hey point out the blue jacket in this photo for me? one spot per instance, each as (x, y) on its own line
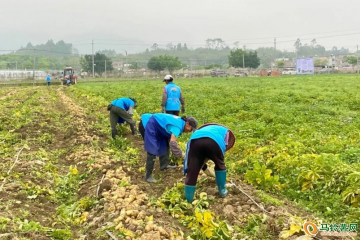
(172, 124)
(158, 130)
(215, 132)
(48, 78)
(123, 103)
(173, 97)
(145, 118)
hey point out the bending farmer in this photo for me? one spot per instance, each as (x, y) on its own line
(172, 98)
(161, 131)
(121, 110)
(209, 141)
(143, 121)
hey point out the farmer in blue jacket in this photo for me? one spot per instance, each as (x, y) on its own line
(210, 141)
(161, 131)
(143, 121)
(48, 79)
(121, 110)
(172, 98)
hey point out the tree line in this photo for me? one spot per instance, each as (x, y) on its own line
(50, 48)
(215, 53)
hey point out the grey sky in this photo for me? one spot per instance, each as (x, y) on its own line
(138, 24)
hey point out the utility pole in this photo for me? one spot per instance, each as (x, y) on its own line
(34, 69)
(275, 44)
(125, 56)
(243, 60)
(93, 66)
(357, 57)
(105, 68)
(136, 70)
(125, 60)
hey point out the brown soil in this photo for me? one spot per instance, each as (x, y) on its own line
(166, 179)
(105, 214)
(234, 208)
(9, 94)
(41, 209)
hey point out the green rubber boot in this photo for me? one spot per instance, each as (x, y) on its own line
(221, 181)
(189, 193)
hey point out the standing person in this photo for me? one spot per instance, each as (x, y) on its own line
(172, 98)
(209, 141)
(48, 79)
(121, 110)
(161, 131)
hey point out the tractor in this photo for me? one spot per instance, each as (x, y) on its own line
(69, 74)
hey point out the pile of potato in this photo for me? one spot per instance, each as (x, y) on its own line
(131, 208)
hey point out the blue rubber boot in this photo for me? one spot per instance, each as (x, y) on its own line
(189, 193)
(221, 181)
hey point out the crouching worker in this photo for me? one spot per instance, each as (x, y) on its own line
(121, 110)
(161, 131)
(210, 141)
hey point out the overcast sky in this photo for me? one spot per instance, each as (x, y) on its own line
(136, 25)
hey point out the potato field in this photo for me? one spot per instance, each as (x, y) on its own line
(296, 159)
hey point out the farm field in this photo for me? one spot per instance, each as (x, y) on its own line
(297, 155)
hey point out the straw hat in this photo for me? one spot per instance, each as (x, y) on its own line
(231, 141)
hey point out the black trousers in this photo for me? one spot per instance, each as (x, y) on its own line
(141, 129)
(200, 149)
(176, 113)
(48, 83)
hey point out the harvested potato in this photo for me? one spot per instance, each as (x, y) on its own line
(132, 213)
(120, 225)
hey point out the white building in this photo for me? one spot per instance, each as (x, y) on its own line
(21, 74)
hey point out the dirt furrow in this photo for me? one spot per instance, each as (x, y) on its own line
(29, 202)
(9, 94)
(126, 209)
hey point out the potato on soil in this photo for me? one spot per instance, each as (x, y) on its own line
(132, 213)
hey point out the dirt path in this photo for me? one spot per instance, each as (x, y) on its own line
(28, 196)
